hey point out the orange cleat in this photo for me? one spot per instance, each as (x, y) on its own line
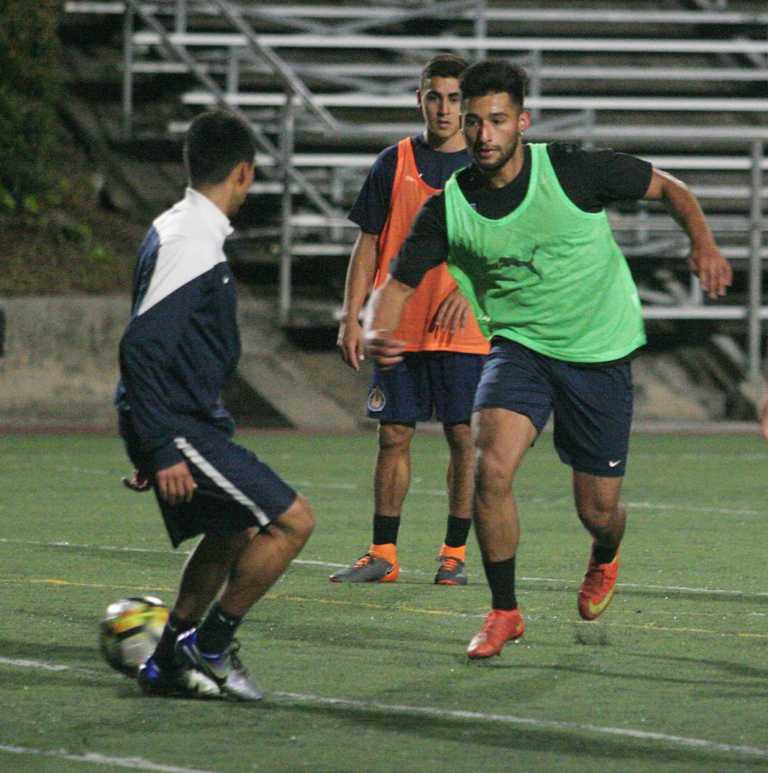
(500, 626)
(597, 590)
(379, 564)
(450, 570)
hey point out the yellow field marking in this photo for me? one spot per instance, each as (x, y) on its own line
(665, 629)
(370, 605)
(386, 608)
(69, 583)
(449, 613)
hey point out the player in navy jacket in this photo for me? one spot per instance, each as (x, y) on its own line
(180, 347)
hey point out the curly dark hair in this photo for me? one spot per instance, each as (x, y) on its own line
(495, 76)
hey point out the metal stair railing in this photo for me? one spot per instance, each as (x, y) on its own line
(283, 155)
(262, 48)
(257, 50)
(219, 94)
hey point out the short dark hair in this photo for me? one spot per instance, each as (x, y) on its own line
(495, 76)
(443, 66)
(215, 143)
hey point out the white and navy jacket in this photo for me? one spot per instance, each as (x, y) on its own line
(182, 342)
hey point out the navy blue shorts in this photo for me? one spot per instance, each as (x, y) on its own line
(235, 489)
(592, 405)
(426, 385)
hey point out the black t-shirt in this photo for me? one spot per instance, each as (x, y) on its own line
(590, 178)
(371, 208)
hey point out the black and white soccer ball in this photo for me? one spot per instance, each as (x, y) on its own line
(130, 631)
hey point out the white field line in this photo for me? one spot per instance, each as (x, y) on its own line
(415, 572)
(305, 484)
(389, 709)
(690, 509)
(622, 732)
(94, 758)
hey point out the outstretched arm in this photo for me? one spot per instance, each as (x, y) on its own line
(381, 319)
(705, 259)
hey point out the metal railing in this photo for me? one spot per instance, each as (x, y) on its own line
(242, 50)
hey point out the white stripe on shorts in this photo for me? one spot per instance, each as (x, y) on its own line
(219, 479)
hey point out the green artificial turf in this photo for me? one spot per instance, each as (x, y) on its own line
(374, 678)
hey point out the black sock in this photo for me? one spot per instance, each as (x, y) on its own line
(457, 531)
(164, 652)
(501, 579)
(385, 529)
(217, 630)
(602, 554)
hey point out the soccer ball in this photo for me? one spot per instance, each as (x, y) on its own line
(130, 631)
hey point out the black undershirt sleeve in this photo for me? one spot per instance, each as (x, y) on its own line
(371, 207)
(593, 179)
(426, 245)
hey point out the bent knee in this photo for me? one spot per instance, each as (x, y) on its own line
(459, 437)
(494, 466)
(298, 520)
(600, 515)
(395, 436)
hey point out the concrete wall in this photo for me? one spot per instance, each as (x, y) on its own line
(60, 365)
(60, 370)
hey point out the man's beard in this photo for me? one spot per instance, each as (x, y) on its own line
(496, 165)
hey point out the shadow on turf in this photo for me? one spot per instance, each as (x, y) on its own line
(654, 593)
(588, 636)
(598, 673)
(591, 636)
(27, 678)
(55, 653)
(736, 669)
(133, 558)
(361, 637)
(510, 736)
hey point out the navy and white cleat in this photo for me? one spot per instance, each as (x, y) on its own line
(224, 668)
(179, 682)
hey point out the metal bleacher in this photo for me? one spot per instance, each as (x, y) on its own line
(325, 86)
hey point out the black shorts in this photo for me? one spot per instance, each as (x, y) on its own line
(235, 489)
(592, 405)
(426, 385)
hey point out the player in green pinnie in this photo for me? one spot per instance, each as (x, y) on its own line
(528, 241)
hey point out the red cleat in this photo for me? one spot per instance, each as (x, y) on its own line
(500, 626)
(597, 590)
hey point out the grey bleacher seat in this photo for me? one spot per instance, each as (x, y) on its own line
(455, 42)
(577, 17)
(697, 61)
(382, 101)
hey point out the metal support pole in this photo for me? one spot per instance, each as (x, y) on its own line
(695, 292)
(233, 71)
(590, 121)
(337, 197)
(481, 27)
(128, 70)
(534, 82)
(286, 228)
(181, 16)
(754, 332)
(642, 234)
